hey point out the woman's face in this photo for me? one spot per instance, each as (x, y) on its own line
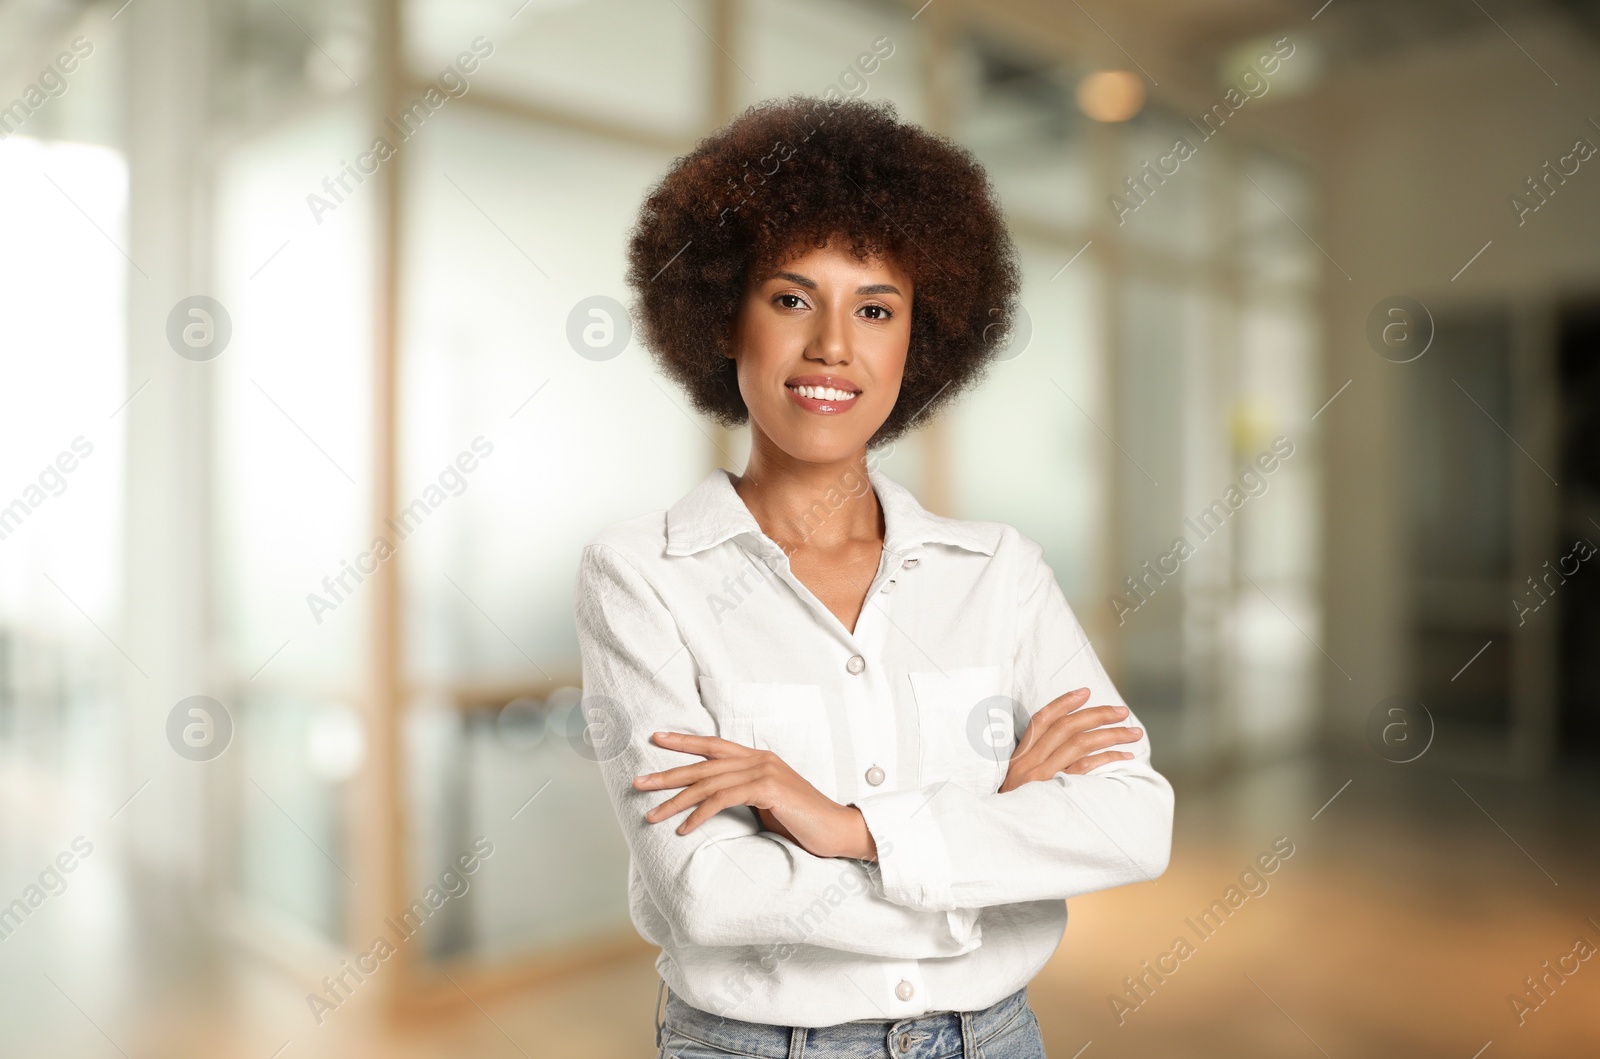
(821, 346)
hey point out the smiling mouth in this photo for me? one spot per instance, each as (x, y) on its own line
(823, 393)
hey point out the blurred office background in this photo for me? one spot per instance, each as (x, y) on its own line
(236, 339)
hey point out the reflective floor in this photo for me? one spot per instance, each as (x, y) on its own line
(1402, 917)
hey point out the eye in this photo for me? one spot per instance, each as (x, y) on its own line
(799, 302)
(877, 308)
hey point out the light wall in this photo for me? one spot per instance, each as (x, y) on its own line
(1420, 156)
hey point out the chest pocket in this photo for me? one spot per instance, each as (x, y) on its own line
(788, 719)
(968, 725)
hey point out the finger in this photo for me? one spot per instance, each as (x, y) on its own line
(683, 775)
(1056, 716)
(1071, 699)
(1085, 717)
(695, 793)
(1083, 745)
(709, 747)
(1094, 761)
(1104, 737)
(1047, 715)
(704, 745)
(1058, 706)
(1069, 726)
(1044, 740)
(741, 792)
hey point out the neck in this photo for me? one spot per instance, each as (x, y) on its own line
(816, 505)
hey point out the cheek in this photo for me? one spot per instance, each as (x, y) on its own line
(757, 348)
(890, 370)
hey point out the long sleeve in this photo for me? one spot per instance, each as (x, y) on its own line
(728, 882)
(1045, 840)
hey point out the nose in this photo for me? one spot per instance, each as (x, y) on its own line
(831, 343)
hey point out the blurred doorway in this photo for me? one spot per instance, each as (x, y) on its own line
(1578, 668)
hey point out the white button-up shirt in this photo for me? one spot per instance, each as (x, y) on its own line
(690, 620)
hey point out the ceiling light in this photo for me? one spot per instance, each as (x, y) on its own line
(1111, 95)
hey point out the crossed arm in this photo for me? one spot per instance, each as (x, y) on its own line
(1065, 736)
(1072, 815)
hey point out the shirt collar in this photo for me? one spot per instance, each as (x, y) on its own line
(713, 512)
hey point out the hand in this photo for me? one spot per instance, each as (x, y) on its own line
(733, 774)
(1062, 737)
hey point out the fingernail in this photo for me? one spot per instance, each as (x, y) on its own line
(1081, 691)
(1136, 731)
(1122, 711)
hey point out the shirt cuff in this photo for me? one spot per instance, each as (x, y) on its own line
(913, 861)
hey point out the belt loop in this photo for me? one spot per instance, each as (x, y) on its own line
(969, 1037)
(797, 1042)
(660, 1016)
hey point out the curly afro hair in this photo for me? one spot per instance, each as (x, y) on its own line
(789, 174)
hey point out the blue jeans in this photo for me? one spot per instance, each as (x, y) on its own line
(1006, 1029)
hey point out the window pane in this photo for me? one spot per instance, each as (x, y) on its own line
(1277, 222)
(1276, 616)
(63, 355)
(1167, 471)
(276, 55)
(1024, 447)
(786, 46)
(514, 779)
(292, 477)
(1162, 198)
(1019, 117)
(571, 55)
(512, 230)
(293, 392)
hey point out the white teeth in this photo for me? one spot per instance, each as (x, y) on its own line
(823, 393)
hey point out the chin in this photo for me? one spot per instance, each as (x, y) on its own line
(825, 445)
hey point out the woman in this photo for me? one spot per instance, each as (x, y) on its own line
(813, 687)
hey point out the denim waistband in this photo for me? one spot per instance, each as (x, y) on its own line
(776, 1042)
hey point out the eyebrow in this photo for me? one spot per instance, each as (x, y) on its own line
(810, 284)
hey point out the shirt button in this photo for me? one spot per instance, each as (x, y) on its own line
(856, 664)
(874, 775)
(887, 585)
(909, 563)
(904, 990)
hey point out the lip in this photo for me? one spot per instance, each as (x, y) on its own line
(822, 407)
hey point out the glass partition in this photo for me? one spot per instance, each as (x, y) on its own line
(292, 486)
(516, 350)
(850, 49)
(1165, 176)
(1016, 113)
(568, 58)
(531, 418)
(1024, 447)
(1163, 392)
(61, 512)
